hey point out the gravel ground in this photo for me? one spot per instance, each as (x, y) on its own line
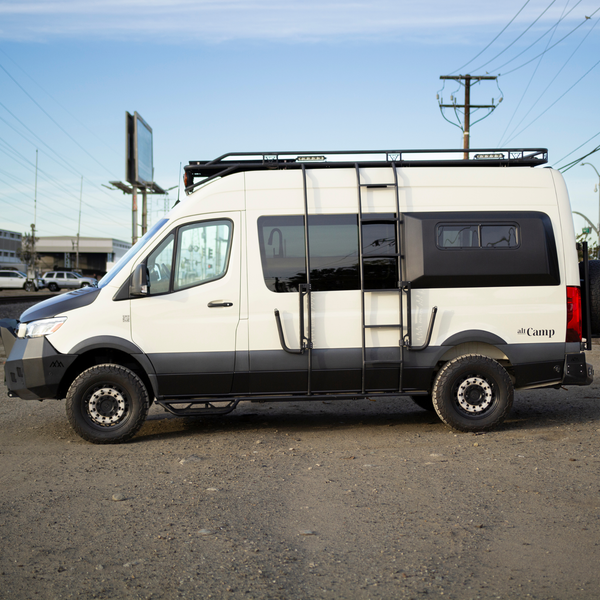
(365, 500)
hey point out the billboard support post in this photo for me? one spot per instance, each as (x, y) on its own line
(134, 236)
(144, 210)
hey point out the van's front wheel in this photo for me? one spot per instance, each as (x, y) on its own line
(472, 393)
(107, 404)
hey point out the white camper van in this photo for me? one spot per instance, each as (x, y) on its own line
(333, 275)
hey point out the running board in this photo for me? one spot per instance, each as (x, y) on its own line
(198, 407)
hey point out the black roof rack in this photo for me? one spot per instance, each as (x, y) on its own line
(235, 162)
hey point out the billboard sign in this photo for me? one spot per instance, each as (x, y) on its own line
(139, 167)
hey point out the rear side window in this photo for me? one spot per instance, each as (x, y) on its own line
(471, 235)
(465, 249)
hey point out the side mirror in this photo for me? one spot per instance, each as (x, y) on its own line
(139, 282)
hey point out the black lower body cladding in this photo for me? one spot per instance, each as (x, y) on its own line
(34, 369)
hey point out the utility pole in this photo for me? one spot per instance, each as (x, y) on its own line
(79, 224)
(467, 106)
(596, 189)
(31, 269)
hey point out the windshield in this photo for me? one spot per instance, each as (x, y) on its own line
(131, 253)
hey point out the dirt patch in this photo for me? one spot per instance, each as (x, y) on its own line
(344, 499)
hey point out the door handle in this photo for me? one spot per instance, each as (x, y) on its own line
(219, 303)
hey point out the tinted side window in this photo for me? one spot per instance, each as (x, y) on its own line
(471, 235)
(499, 236)
(334, 258)
(458, 236)
(480, 249)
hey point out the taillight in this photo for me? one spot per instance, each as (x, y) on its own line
(574, 315)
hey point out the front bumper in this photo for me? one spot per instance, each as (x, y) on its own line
(34, 369)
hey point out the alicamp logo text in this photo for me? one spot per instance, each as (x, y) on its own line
(531, 332)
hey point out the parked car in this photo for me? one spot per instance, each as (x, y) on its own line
(56, 280)
(17, 280)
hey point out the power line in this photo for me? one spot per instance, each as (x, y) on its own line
(581, 146)
(505, 28)
(553, 80)
(520, 36)
(48, 178)
(547, 49)
(576, 162)
(527, 87)
(53, 120)
(57, 102)
(559, 98)
(66, 164)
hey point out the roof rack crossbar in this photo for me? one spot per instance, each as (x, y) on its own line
(200, 172)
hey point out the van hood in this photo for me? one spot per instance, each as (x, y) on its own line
(60, 304)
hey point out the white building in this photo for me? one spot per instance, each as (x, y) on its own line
(96, 255)
(10, 244)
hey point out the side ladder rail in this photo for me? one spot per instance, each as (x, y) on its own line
(306, 340)
(399, 289)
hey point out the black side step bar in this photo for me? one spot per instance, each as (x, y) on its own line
(198, 407)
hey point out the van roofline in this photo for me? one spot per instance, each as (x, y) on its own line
(236, 162)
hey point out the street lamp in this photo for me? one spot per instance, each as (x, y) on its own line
(596, 189)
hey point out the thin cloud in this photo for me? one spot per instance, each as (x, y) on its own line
(222, 20)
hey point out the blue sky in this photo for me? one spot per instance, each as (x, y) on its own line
(237, 75)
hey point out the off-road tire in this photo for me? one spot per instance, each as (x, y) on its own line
(107, 404)
(472, 393)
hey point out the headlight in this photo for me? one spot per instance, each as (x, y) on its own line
(41, 327)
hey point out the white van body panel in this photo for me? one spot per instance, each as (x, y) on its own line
(103, 318)
(334, 191)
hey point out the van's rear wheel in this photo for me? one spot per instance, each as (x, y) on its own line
(472, 393)
(107, 404)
